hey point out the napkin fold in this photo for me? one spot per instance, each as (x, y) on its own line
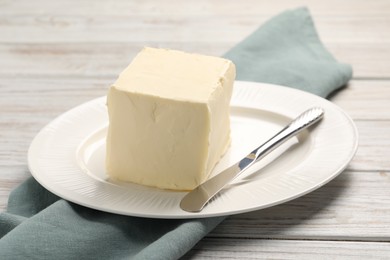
(285, 50)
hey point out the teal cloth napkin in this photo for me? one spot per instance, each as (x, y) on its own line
(39, 225)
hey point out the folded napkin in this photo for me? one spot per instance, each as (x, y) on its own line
(39, 225)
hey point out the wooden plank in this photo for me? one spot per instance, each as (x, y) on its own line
(354, 206)
(284, 249)
(181, 27)
(369, 60)
(248, 7)
(374, 146)
(365, 99)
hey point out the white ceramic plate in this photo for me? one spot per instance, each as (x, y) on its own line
(67, 156)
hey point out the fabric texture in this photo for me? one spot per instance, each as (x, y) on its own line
(285, 50)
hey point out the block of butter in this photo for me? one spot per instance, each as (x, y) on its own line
(169, 118)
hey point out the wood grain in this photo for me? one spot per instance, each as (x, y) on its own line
(135, 28)
(284, 249)
(227, 7)
(55, 55)
(369, 59)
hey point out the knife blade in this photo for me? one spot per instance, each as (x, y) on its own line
(196, 200)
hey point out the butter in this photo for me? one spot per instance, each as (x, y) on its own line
(169, 118)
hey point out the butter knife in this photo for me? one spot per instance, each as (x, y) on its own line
(195, 200)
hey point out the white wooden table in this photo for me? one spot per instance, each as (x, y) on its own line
(58, 54)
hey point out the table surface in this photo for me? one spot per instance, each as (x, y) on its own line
(55, 55)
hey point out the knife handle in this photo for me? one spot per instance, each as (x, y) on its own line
(304, 120)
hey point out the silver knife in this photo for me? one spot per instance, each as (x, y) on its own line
(195, 200)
